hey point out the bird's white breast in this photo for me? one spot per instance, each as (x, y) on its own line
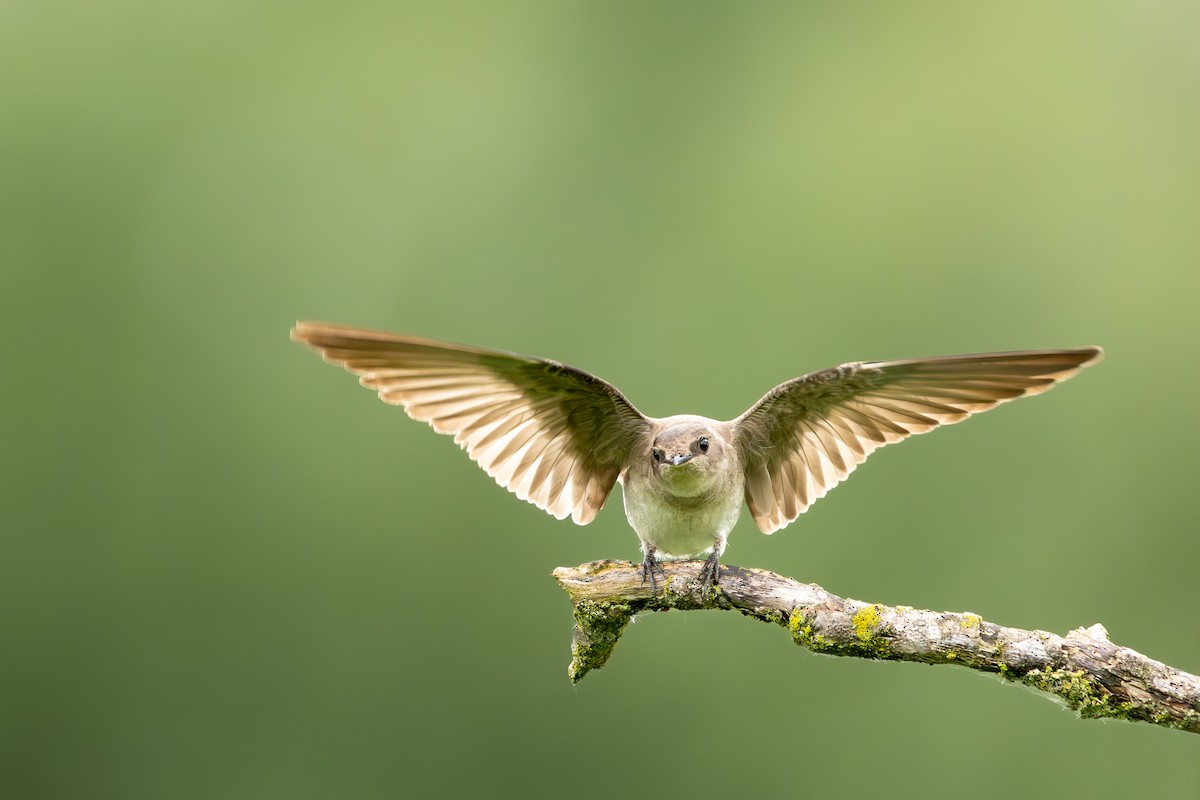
(677, 529)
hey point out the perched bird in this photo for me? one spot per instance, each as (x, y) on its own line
(560, 437)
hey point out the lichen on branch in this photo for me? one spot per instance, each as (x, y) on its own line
(1091, 674)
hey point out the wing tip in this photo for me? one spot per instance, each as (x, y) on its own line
(311, 332)
(1096, 355)
(299, 332)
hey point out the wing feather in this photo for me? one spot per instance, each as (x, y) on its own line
(806, 435)
(553, 435)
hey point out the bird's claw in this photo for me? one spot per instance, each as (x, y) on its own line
(710, 573)
(650, 566)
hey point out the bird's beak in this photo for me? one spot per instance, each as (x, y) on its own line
(677, 460)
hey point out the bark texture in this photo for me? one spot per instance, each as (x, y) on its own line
(1094, 676)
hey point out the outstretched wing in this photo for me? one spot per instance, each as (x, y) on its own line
(553, 435)
(805, 436)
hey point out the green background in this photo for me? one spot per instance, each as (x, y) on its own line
(230, 572)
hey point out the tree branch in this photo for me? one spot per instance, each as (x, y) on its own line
(1094, 676)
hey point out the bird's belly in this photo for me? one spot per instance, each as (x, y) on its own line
(677, 531)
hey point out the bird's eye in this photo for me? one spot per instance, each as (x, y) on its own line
(703, 444)
(657, 454)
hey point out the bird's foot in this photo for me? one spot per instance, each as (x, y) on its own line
(650, 566)
(710, 573)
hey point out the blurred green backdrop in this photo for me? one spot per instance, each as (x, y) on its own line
(230, 572)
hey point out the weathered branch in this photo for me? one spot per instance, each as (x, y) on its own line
(1094, 676)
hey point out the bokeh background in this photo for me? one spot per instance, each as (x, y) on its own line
(230, 572)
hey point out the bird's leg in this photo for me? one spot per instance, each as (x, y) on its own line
(710, 573)
(650, 566)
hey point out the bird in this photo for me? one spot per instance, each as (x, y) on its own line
(560, 437)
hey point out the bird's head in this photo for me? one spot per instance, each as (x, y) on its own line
(689, 458)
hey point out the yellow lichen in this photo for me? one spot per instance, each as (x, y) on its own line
(865, 622)
(795, 619)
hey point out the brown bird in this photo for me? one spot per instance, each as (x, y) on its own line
(560, 437)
